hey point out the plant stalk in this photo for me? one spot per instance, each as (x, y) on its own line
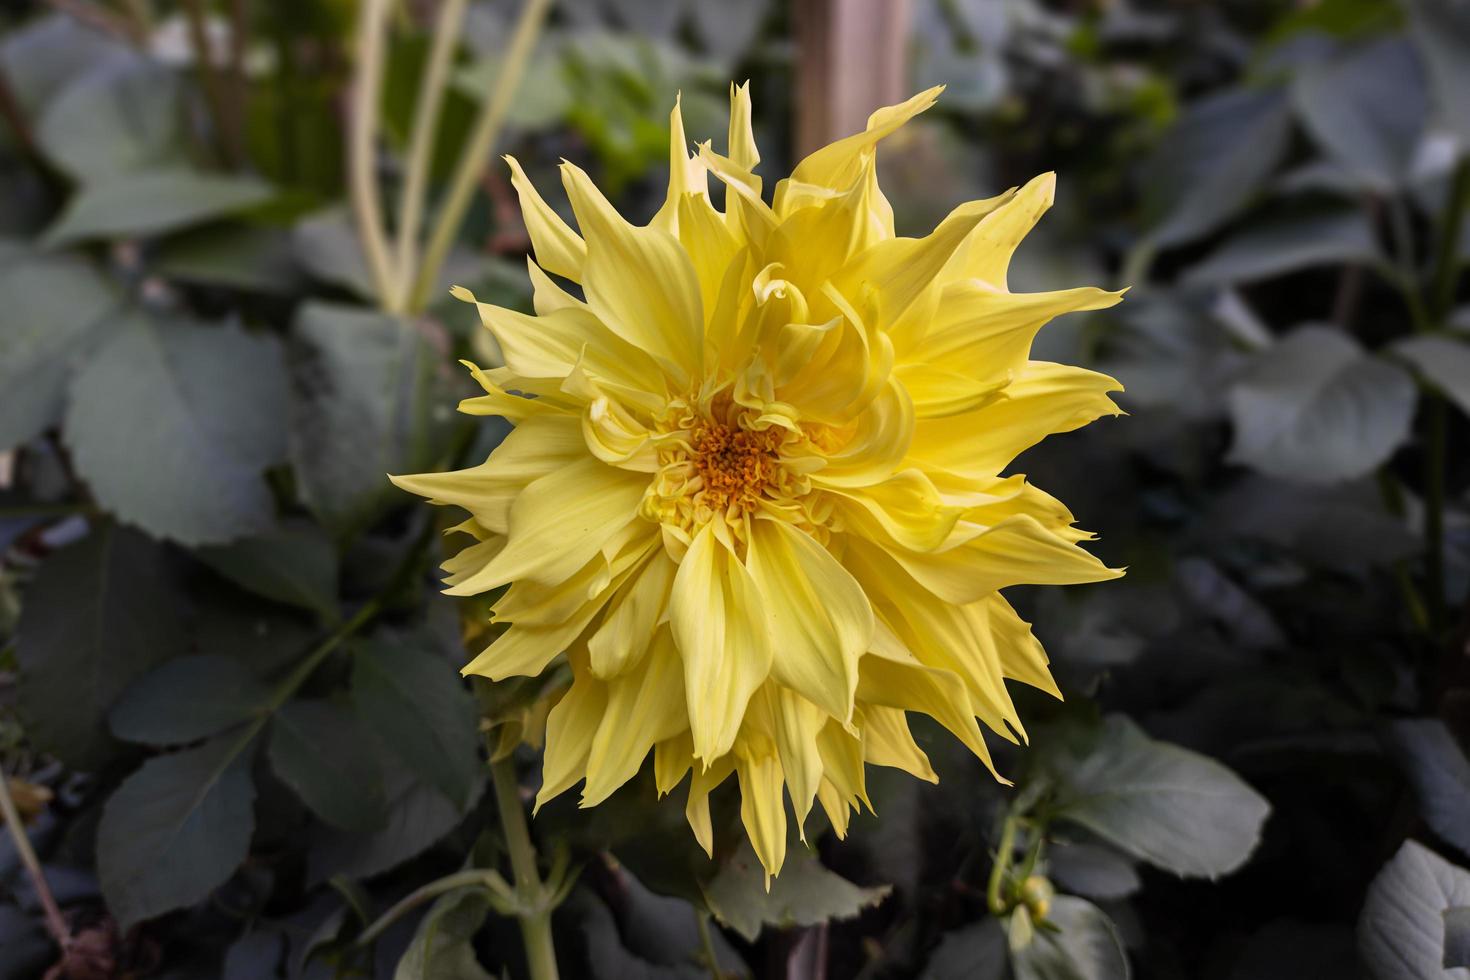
(361, 148)
(214, 87)
(534, 909)
(55, 922)
(1004, 854)
(477, 150)
(432, 88)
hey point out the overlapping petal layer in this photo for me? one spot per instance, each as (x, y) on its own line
(754, 494)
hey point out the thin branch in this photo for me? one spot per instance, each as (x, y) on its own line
(477, 151)
(432, 88)
(214, 87)
(55, 922)
(361, 147)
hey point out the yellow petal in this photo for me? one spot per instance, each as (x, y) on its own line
(639, 281)
(839, 164)
(742, 150)
(763, 807)
(696, 810)
(686, 175)
(906, 510)
(1021, 655)
(632, 616)
(644, 706)
(987, 253)
(671, 760)
(723, 635)
(818, 611)
(570, 729)
(557, 247)
(887, 741)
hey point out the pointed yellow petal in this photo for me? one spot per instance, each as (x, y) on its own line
(818, 611)
(763, 807)
(987, 253)
(696, 810)
(742, 151)
(795, 724)
(887, 741)
(570, 728)
(557, 247)
(644, 707)
(632, 617)
(723, 635)
(671, 760)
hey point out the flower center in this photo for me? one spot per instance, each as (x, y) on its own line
(734, 465)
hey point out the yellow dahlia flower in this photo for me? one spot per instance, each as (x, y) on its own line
(754, 493)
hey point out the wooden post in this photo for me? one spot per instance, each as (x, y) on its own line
(852, 58)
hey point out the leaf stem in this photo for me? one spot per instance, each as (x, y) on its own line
(1442, 288)
(1004, 854)
(55, 923)
(477, 150)
(489, 879)
(361, 149)
(707, 944)
(533, 909)
(447, 27)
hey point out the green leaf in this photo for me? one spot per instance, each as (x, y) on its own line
(125, 115)
(1163, 804)
(442, 948)
(366, 401)
(234, 255)
(608, 957)
(151, 202)
(804, 893)
(1441, 29)
(254, 956)
(1092, 871)
(188, 699)
(1317, 409)
(327, 246)
(1085, 947)
(295, 564)
(99, 614)
(214, 401)
(1440, 774)
(418, 817)
(1367, 108)
(51, 308)
(1456, 937)
(318, 749)
(40, 59)
(175, 830)
(1444, 361)
(1215, 161)
(975, 952)
(419, 705)
(1289, 241)
(1401, 931)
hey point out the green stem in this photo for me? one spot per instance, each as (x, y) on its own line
(361, 148)
(1434, 497)
(1003, 856)
(55, 923)
(534, 910)
(1442, 289)
(1033, 854)
(707, 944)
(473, 877)
(214, 88)
(477, 151)
(432, 88)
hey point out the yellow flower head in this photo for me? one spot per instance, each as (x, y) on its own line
(754, 495)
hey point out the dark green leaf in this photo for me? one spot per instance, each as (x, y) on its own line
(254, 956)
(1163, 804)
(442, 946)
(42, 58)
(175, 830)
(318, 749)
(608, 958)
(236, 256)
(123, 116)
(418, 816)
(51, 308)
(214, 403)
(1457, 937)
(98, 615)
(1444, 361)
(153, 201)
(1085, 947)
(418, 704)
(1439, 773)
(188, 699)
(1216, 160)
(1401, 931)
(1441, 29)
(803, 894)
(1367, 108)
(366, 401)
(1288, 242)
(1092, 871)
(295, 564)
(1317, 409)
(975, 952)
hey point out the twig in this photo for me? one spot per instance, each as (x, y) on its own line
(361, 148)
(214, 89)
(432, 88)
(477, 150)
(55, 923)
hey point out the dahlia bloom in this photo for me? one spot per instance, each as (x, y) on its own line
(754, 494)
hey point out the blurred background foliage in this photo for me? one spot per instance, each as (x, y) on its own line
(230, 713)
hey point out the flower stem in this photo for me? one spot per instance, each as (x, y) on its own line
(996, 902)
(432, 87)
(361, 148)
(707, 944)
(473, 877)
(534, 910)
(55, 923)
(477, 150)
